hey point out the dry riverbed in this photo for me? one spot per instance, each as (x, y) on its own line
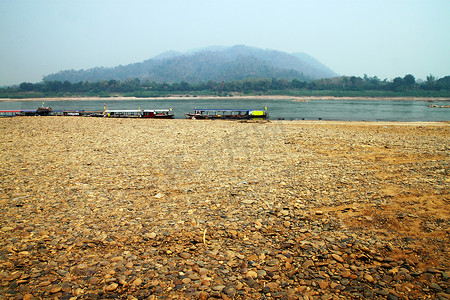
(96, 208)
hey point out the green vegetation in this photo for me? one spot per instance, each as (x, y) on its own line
(338, 87)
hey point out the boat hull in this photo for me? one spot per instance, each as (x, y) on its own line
(203, 117)
(226, 117)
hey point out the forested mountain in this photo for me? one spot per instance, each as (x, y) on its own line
(211, 64)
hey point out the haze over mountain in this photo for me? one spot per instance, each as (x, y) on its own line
(213, 63)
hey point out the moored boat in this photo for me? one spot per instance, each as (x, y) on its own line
(158, 113)
(83, 113)
(9, 113)
(228, 114)
(125, 113)
(35, 112)
(43, 111)
(140, 113)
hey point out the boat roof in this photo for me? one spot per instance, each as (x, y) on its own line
(155, 110)
(135, 110)
(124, 110)
(210, 109)
(10, 111)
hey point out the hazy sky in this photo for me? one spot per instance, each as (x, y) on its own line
(384, 38)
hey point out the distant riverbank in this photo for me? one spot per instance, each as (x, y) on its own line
(261, 97)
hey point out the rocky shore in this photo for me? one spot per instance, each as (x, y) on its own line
(96, 208)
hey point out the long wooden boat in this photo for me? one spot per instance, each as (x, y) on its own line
(158, 113)
(229, 114)
(9, 113)
(41, 111)
(140, 113)
(81, 113)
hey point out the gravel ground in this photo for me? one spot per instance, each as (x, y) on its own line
(97, 208)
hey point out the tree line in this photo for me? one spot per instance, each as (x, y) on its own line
(248, 86)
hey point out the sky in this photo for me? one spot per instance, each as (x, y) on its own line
(383, 38)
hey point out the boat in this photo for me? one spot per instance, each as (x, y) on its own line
(140, 113)
(126, 113)
(46, 111)
(158, 113)
(9, 113)
(83, 113)
(27, 112)
(43, 111)
(228, 114)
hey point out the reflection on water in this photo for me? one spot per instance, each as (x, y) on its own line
(344, 110)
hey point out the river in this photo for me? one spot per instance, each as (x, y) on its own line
(342, 110)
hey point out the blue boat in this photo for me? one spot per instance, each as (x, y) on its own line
(228, 114)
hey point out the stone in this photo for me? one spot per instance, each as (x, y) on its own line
(150, 235)
(273, 286)
(122, 281)
(185, 255)
(230, 290)
(436, 287)
(346, 274)
(383, 292)
(368, 293)
(186, 280)
(93, 280)
(218, 288)
(308, 263)
(55, 290)
(323, 284)
(337, 257)
(111, 287)
(137, 281)
(252, 274)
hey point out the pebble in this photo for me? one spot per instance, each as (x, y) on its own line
(435, 286)
(218, 288)
(369, 278)
(337, 258)
(308, 263)
(55, 290)
(186, 280)
(94, 280)
(272, 286)
(111, 287)
(137, 281)
(323, 284)
(252, 274)
(230, 290)
(185, 255)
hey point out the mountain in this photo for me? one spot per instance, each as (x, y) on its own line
(313, 62)
(214, 63)
(168, 55)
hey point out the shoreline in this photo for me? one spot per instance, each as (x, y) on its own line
(264, 97)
